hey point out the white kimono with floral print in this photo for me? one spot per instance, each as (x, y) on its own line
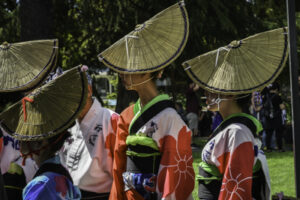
(232, 152)
(88, 153)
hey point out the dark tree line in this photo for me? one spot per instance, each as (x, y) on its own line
(87, 27)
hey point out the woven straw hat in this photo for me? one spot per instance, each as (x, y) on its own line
(242, 66)
(48, 110)
(25, 65)
(152, 45)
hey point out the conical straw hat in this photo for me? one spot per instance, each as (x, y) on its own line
(48, 110)
(25, 65)
(152, 45)
(242, 66)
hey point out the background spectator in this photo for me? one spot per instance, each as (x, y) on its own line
(272, 111)
(192, 107)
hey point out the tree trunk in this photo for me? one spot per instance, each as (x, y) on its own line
(36, 19)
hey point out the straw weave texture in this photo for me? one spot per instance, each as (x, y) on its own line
(242, 66)
(152, 45)
(25, 65)
(54, 108)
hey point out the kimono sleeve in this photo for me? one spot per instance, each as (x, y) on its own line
(119, 163)
(110, 139)
(176, 177)
(236, 165)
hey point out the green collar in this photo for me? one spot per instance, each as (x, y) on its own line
(257, 123)
(137, 110)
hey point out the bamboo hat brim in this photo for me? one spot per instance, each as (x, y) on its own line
(48, 110)
(152, 45)
(24, 65)
(242, 66)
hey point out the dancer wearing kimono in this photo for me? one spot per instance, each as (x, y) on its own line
(40, 122)
(88, 153)
(233, 166)
(152, 158)
(15, 174)
(21, 72)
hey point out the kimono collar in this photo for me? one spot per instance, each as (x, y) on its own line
(138, 110)
(257, 123)
(55, 160)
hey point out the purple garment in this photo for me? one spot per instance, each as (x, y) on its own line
(217, 119)
(191, 101)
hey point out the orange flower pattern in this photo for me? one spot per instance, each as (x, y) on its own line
(176, 173)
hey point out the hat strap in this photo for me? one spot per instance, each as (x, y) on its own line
(126, 44)
(137, 84)
(218, 52)
(37, 151)
(219, 100)
(24, 106)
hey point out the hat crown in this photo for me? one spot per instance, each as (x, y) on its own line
(5, 45)
(140, 27)
(235, 44)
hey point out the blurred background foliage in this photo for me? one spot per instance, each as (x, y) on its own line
(87, 27)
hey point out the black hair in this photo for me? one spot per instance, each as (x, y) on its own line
(274, 86)
(7, 99)
(57, 145)
(244, 102)
(154, 75)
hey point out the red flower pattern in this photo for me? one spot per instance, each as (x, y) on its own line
(177, 173)
(61, 185)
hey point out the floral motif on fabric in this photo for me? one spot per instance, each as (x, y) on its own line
(237, 179)
(61, 185)
(177, 173)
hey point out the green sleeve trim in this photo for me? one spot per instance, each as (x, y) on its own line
(140, 139)
(138, 110)
(132, 153)
(257, 166)
(207, 180)
(216, 175)
(257, 123)
(13, 187)
(15, 169)
(211, 169)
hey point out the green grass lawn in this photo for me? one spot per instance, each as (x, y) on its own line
(281, 169)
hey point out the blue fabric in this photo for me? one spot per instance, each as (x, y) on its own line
(140, 181)
(51, 186)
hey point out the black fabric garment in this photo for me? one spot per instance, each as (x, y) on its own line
(14, 185)
(273, 124)
(271, 110)
(143, 165)
(278, 134)
(192, 103)
(56, 168)
(2, 190)
(87, 195)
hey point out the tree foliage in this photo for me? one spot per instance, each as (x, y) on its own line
(87, 27)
